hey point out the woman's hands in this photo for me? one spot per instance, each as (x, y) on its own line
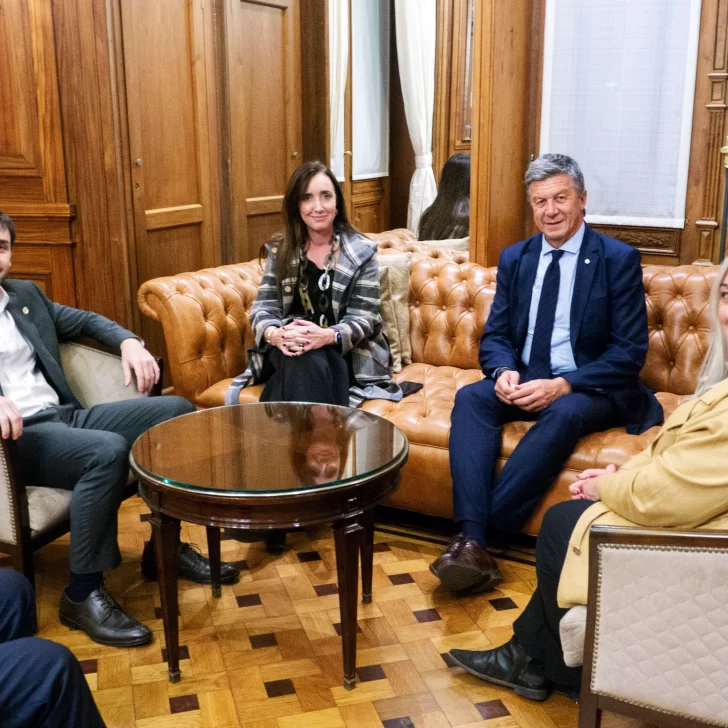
(587, 487)
(299, 336)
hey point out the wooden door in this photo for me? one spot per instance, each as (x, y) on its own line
(264, 99)
(168, 65)
(32, 166)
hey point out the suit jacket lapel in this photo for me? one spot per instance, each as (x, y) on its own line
(524, 287)
(50, 367)
(590, 251)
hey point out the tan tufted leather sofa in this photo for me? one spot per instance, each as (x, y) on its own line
(204, 316)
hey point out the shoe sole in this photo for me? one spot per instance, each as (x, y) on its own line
(73, 626)
(531, 693)
(466, 580)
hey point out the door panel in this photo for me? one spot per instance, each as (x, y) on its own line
(168, 52)
(263, 54)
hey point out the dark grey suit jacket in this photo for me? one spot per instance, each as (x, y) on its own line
(46, 324)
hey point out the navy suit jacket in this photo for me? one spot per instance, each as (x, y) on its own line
(45, 324)
(608, 323)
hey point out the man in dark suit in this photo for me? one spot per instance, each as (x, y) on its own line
(563, 347)
(59, 444)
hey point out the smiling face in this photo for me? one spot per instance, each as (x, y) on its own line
(558, 210)
(723, 306)
(318, 206)
(5, 253)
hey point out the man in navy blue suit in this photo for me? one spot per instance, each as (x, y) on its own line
(563, 347)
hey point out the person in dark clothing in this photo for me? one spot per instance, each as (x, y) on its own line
(41, 683)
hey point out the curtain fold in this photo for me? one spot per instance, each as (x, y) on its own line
(415, 22)
(338, 62)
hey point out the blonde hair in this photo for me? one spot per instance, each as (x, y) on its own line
(715, 364)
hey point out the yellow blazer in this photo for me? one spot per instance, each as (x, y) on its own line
(680, 481)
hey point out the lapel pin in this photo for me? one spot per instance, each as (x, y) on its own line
(25, 310)
(587, 261)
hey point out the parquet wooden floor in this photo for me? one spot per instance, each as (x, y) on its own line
(268, 655)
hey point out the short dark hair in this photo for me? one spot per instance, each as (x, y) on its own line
(6, 223)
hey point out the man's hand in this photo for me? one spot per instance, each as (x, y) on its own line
(135, 358)
(538, 394)
(505, 385)
(11, 421)
(587, 487)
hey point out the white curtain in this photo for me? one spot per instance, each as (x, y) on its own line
(338, 62)
(416, 33)
(370, 88)
(618, 86)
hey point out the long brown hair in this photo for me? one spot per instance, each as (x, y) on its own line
(448, 216)
(292, 240)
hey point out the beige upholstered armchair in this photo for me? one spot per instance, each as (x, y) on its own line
(32, 516)
(654, 638)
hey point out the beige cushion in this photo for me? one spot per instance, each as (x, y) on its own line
(95, 376)
(573, 633)
(461, 244)
(47, 507)
(394, 287)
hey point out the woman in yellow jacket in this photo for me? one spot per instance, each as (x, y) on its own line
(679, 481)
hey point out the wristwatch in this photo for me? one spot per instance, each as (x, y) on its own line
(337, 336)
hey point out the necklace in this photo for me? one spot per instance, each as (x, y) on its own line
(324, 282)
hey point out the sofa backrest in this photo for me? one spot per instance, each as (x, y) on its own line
(679, 325)
(205, 320)
(450, 303)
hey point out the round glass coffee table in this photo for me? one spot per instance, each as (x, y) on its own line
(269, 466)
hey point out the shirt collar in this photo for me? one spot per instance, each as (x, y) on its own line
(572, 245)
(4, 299)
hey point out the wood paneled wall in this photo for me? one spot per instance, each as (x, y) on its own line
(32, 166)
(502, 108)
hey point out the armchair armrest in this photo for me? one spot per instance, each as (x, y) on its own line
(657, 626)
(12, 500)
(95, 374)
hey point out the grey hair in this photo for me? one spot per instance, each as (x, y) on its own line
(549, 165)
(715, 364)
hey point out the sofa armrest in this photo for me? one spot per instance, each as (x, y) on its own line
(95, 373)
(657, 627)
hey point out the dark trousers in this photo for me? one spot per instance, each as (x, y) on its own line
(537, 629)
(320, 376)
(475, 443)
(41, 683)
(87, 451)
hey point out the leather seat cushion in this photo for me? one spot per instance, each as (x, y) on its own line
(214, 396)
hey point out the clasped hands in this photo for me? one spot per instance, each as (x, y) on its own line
(299, 336)
(532, 396)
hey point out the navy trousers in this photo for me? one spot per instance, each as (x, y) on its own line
(478, 417)
(41, 683)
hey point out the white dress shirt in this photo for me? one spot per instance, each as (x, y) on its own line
(562, 356)
(21, 379)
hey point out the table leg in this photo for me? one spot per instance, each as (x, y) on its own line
(166, 545)
(213, 547)
(367, 554)
(347, 536)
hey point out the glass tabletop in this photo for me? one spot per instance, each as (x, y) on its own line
(269, 448)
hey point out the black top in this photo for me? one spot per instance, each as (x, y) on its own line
(320, 299)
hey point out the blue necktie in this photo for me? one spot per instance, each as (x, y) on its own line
(539, 363)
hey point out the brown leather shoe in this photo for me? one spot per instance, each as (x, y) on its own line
(465, 566)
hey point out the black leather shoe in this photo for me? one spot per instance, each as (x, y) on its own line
(192, 565)
(507, 665)
(465, 566)
(103, 620)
